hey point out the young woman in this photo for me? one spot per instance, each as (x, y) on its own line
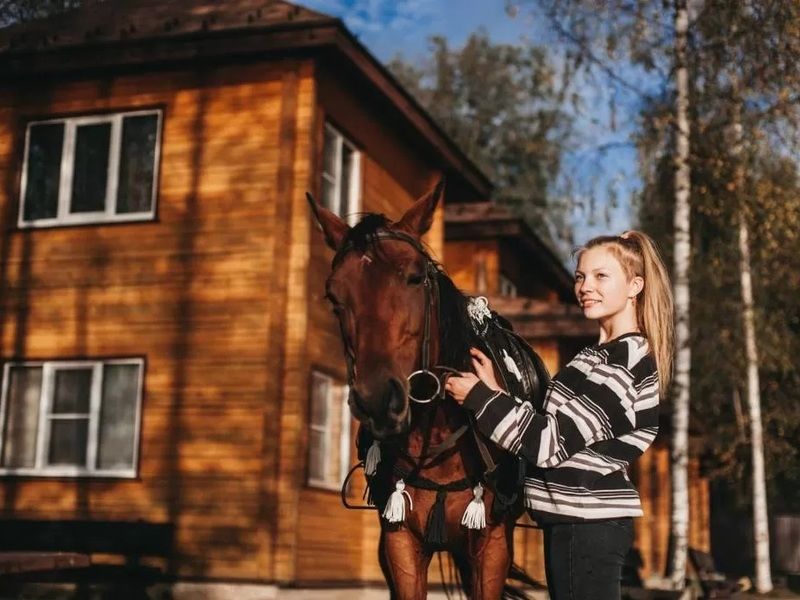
(600, 413)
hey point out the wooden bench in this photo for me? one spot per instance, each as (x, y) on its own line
(39, 550)
(713, 583)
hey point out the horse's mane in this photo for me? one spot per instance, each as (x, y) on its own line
(455, 330)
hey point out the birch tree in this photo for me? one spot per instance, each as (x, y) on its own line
(760, 520)
(679, 526)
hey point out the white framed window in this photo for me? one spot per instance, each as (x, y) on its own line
(341, 175)
(507, 287)
(71, 418)
(91, 169)
(329, 432)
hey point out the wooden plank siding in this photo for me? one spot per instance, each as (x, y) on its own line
(194, 292)
(470, 261)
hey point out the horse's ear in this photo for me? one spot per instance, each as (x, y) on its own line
(419, 217)
(333, 227)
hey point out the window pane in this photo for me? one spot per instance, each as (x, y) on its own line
(90, 172)
(137, 164)
(316, 456)
(348, 163)
(22, 417)
(44, 171)
(68, 442)
(320, 386)
(329, 194)
(118, 416)
(329, 153)
(344, 441)
(72, 390)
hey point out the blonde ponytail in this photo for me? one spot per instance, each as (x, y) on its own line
(639, 255)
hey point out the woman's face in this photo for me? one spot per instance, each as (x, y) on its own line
(601, 286)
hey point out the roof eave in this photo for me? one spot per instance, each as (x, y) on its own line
(511, 227)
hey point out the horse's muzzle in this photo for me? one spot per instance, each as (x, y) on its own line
(385, 411)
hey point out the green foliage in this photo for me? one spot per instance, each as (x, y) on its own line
(772, 194)
(500, 105)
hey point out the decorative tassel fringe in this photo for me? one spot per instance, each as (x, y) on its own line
(395, 510)
(436, 532)
(372, 460)
(475, 515)
(367, 495)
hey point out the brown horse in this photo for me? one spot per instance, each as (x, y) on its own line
(400, 314)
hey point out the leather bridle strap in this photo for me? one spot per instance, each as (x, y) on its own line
(431, 294)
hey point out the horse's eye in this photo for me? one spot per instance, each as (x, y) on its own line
(416, 279)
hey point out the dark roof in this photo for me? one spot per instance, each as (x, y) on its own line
(119, 34)
(487, 220)
(123, 20)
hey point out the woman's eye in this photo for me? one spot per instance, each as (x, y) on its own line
(415, 279)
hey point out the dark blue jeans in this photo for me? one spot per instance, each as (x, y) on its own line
(583, 561)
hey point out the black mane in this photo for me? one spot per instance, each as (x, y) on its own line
(456, 334)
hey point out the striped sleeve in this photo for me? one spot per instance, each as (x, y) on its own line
(595, 402)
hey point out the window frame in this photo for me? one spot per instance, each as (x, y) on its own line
(327, 430)
(46, 397)
(63, 217)
(354, 193)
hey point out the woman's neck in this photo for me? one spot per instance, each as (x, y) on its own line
(618, 325)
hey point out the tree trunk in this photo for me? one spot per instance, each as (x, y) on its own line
(760, 520)
(682, 218)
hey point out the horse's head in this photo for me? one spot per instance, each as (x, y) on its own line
(380, 285)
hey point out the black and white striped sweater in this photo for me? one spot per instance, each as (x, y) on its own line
(599, 414)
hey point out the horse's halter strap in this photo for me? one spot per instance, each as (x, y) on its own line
(431, 297)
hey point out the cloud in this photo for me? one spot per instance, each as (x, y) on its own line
(369, 17)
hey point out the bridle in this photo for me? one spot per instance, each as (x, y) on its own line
(418, 380)
(424, 384)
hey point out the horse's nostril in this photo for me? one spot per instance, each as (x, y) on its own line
(356, 401)
(396, 397)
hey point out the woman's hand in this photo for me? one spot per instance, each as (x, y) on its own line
(484, 368)
(458, 386)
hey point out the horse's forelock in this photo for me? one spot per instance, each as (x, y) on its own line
(362, 235)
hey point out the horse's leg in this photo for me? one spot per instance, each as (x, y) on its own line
(491, 552)
(406, 563)
(464, 566)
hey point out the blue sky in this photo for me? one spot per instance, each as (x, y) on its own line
(403, 27)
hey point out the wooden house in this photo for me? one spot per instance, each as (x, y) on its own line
(173, 386)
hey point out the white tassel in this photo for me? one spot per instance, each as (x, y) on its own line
(475, 515)
(372, 460)
(395, 510)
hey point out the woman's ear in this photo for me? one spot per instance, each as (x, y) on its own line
(636, 286)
